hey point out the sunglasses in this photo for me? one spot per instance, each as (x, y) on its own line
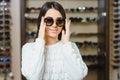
(7, 43)
(5, 16)
(5, 54)
(6, 33)
(116, 0)
(117, 51)
(117, 46)
(116, 20)
(117, 10)
(5, 22)
(4, 38)
(6, 10)
(5, 27)
(31, 20)
(59, 21)
(4, 60)
(116, 41)
(5, 0)
(117, 26)
(117, 36)
(2, 49)
(32, 9)
(117, 31)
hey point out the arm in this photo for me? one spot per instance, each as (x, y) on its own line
(74, 65)
(33, 59)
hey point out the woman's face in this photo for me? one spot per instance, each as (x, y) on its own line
(54, 29)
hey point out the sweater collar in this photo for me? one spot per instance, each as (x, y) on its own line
(53, 45)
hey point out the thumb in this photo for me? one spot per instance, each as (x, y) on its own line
(63, 34)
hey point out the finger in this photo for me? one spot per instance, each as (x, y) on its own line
(42, 23)
(65, 24)
(67, 27)
(42, 20)
(42, 28)
(63, 33)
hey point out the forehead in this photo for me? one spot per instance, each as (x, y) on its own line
(53, 13)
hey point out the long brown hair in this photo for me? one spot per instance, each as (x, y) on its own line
(45, 8)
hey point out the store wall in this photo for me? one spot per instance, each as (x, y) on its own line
(15, 38)
(16, 45)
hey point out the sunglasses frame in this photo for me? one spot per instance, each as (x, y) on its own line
(51, 21)
(5, 22)
(6, 16)
(5, 0)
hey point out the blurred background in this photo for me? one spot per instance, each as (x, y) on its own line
(95, 29)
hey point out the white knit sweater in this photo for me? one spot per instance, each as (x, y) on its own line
(55, 62)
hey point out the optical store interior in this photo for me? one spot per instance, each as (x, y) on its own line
(95, 28)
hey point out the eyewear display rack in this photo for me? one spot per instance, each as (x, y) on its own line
(115, 39)
(89, 27)
(5, 46)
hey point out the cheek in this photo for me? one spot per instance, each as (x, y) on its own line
(46, 30)
(60, 29)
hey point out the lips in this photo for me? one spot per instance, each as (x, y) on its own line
(53, 30)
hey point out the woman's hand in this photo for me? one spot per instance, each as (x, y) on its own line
(66, 34)
(41, 33)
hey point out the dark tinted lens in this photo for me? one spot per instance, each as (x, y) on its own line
(7, 0)
(49, 21)
(5, 16)
(60, 22)
(116, 0)
(116, 20)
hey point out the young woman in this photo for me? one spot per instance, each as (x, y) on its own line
(52, 56)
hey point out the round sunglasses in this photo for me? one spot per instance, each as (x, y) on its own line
(59, 21)
(5, 0)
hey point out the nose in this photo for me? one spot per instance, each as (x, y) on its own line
(54, 24)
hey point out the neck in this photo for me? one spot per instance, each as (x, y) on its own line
(50, 40)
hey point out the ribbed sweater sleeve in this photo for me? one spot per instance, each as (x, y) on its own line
(74, 65)
(33, 59)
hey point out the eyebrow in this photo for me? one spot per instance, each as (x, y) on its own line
(52, 17)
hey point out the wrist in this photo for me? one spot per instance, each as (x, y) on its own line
(65, 41)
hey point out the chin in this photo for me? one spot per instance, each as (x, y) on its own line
(53, 35)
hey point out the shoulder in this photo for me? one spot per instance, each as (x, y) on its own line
(27, 49)
(70, 43)
(28, 46)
